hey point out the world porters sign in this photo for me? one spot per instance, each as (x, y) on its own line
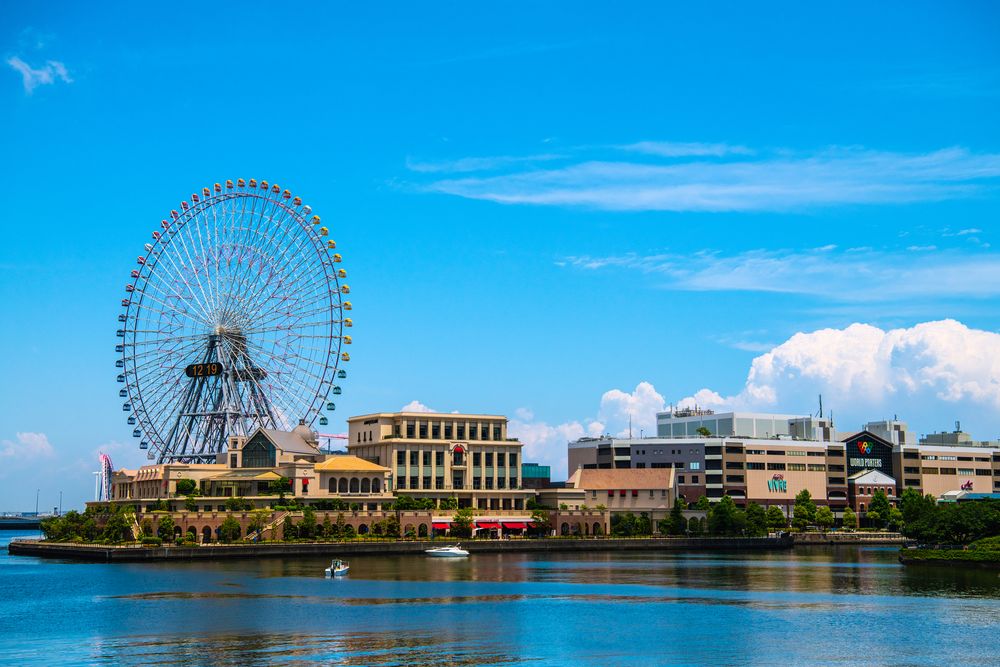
(866, 452)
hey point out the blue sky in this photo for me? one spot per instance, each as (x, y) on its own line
(563, 213)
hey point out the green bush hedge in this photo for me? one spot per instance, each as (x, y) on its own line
(152, 542)
(981, 555)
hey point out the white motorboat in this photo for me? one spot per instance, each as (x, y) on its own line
(338, 568)
(448, 552)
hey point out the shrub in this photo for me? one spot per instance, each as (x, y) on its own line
(151, 542)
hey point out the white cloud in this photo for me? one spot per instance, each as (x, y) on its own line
(857, 274)
(416, 406)
(930, 373)
(49, 73)
(638, 407)
(780, 181)
(476, 163)
(684, 149)
(26, 446)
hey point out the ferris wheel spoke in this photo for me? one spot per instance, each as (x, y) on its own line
(171, 273)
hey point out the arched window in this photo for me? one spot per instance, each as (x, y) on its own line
(342, 485)
(564, 529)
(363, 529)
(376, 485)
(206, 534)
(861, 507)
(422, 530)
(597, 529)
(355, 485)
(332, 485)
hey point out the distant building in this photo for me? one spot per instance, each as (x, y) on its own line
(535, 476)
(619, 491)
(686, 422)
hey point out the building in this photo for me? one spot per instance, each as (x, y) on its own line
(440, 456)
(535, 476)
(250, 470)
(689, 422)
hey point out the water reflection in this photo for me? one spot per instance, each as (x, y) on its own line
(546, 609)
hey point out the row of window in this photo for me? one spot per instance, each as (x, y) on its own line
(417, 458)
(434, 430)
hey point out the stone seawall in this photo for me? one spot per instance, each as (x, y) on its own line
(809, 539)
(108, 554)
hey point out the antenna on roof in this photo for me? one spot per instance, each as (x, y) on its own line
(821, 406)
(630, 425)
(958, 426)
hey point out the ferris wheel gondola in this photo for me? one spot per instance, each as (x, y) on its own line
(232, 320)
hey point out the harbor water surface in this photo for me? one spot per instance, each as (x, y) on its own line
(844, 605)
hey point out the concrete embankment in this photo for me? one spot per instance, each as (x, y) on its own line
(108, 554)
(835, 538)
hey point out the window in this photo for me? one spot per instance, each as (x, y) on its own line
(461, 432)
(477, 483)
(593, 495)
(650, 493)
(457, 459)
(817, 453)
(795, 453)
(775, 466)
(734, 479)
(414, 481)
(775, 452)
(473, 431)
(447, 431)
(423, 430)
(258, 453)
(983, 471)
(966, 471)
(427, 459)
(496, 432)
(439, 482)
(911, 470)
(439, 459)
(734, 465)
(948, 471)
(910, 455)
(928, 457)
(755, 465)
(489, 482)
(837, 480)
(713, 450)
(733, 450)
(909, 481)
(694, 465)
(489, 459)
(755, 451)
(409, 429)
(839, 453)
(484, 432)
(835, 468)
(817, 467)
(930, 471)
(694, 479)
(414, 458)
(427, 481)
(513, 460)
(400, 482)
(680, 479)
(501, 482)
(232, 460)
(501, 460)
(798, 467)
(477, 459)
(436, 431)
(964, 458)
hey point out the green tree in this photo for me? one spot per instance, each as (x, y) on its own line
(850, 519)
(348, 532)
(875, 518)
(341, 526)
(117, 528)
(703, 503)
(289, 531)
(186, 487)
(703, 432)
(918, 510)
(461, 522)
(824, 518)
(756, 520)
(540, 521)
(307, 527)
(776, 519)
(695, 525)
(258, 519)
(895, 519)
(723, 519)
(880, 506)
(280, 486)
(328, 527)
(165, 528)
(676, 523)
(230, 530)
(147, 528)
(804, 512)
(191, 504)
(450, 503)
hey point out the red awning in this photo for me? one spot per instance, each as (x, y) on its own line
(515, 525)
(488, 524)
(440, 526)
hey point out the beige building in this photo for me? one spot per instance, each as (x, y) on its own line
(439, 456)
(936, 470)
(250, 468)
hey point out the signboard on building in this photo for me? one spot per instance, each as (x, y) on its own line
(777, 483)
(868, 452)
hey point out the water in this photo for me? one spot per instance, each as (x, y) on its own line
(841, 605)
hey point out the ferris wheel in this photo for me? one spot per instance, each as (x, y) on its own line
(233, 319)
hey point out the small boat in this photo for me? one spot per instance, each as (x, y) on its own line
(448, 552)
(338, 568)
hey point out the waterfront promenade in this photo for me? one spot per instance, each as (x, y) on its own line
(137, 552)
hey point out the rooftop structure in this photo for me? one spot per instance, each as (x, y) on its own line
(686, 424)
